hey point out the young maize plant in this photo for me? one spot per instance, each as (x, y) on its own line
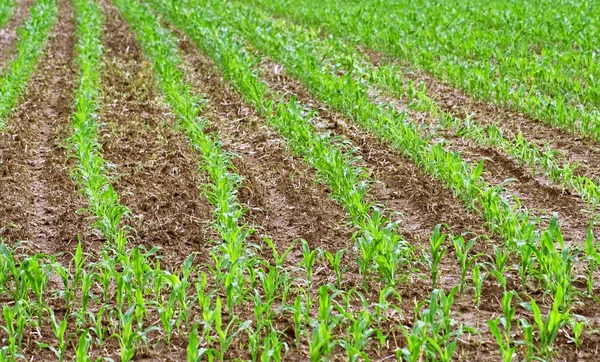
(341, 58)
(377, 240)
(33, 35)
(434, 334)
(548, 328)
(553, 92)
(6, 11)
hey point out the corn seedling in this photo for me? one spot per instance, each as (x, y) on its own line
(437, 252)
(549, 326)
(336, 263)
(479, 275)
(464, 260)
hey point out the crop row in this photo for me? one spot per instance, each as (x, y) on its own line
(32, 37)
(556, 86)
(6, 11)
(339, 57)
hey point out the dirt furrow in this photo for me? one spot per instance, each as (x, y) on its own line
(536, 194)
(156, 171)
(39, 201)
(8, 34)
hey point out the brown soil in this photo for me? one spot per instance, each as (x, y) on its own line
(156, 171)
(8, 34)
(39, 201)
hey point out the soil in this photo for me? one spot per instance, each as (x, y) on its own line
(8, 33)
(39, 203)
(156, 172)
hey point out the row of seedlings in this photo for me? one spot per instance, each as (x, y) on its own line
(33, 35)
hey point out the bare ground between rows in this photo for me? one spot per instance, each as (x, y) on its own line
(39, 202)
(156, 170)
(8, 34)
(536, 194)
(457, 102)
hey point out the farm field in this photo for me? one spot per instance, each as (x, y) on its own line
(299, 180)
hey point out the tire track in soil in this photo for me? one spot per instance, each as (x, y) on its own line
(39, 201)
(156, 171)
(8, 34)
(284, 201)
